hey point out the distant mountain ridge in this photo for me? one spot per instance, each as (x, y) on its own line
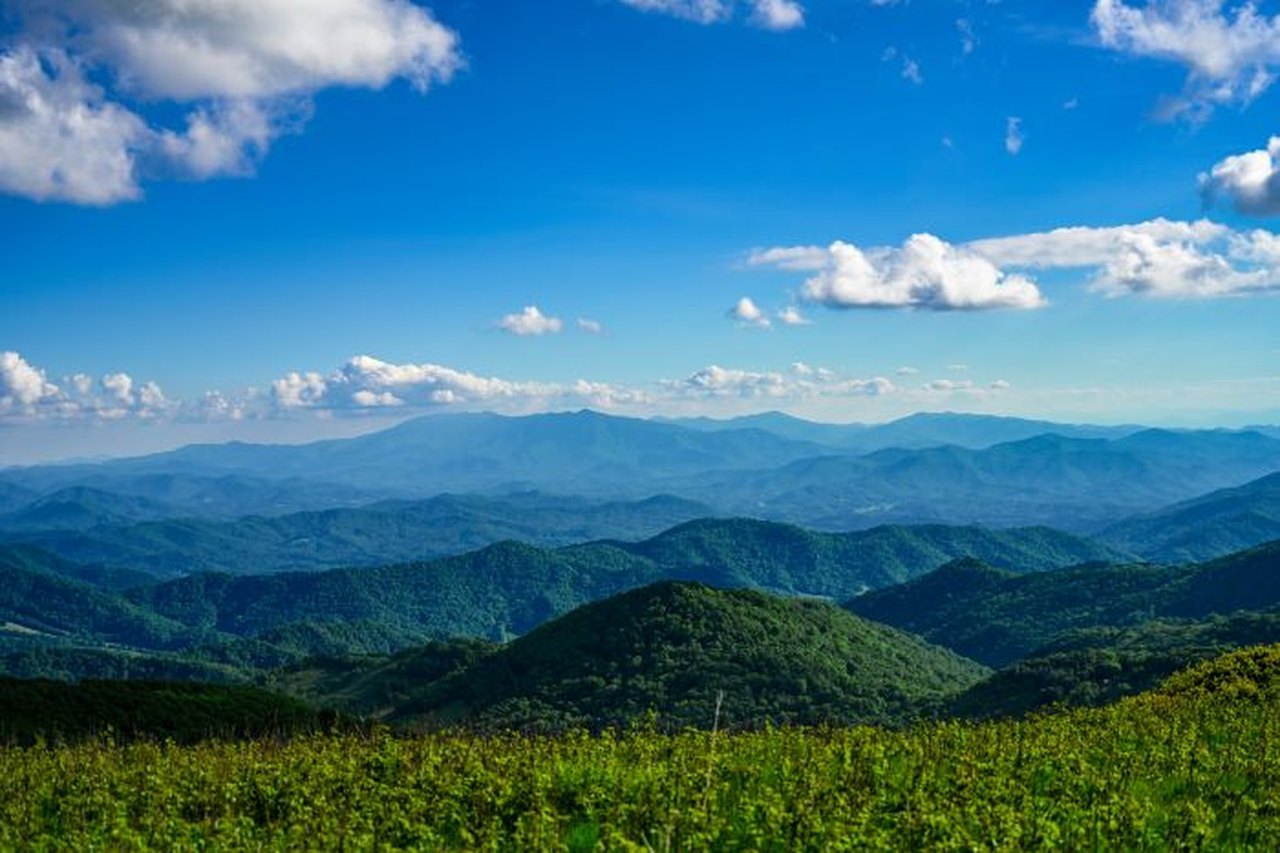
(375, 534)
(943, 468)
(1208, 526)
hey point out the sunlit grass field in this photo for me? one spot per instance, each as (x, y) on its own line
(1194, 765)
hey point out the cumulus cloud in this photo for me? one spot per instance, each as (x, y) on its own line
(59, 139)
(767, 14)
(365, 382)
(1249, 182)
(747, 312)
(27, 392)
(23, 387)
(791, 316)
(925, 272)
(242, 70)
(1229, 51)
(591, 327)
(1159, 258)
(531, 322)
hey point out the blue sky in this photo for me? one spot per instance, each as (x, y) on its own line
(394, 191)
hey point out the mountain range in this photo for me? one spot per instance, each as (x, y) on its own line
(948, 469)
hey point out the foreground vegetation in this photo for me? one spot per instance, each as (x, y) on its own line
(1194, 764)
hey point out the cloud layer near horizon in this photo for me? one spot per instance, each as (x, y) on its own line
(366, 385)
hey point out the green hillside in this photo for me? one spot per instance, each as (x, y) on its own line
(997, 618)
(1100, 665)
(673, 648)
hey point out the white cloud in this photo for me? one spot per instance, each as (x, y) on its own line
(591, 327)
(365, 382)
(949, 385)
(906, 371)
(27, 393)
(1000, 385)
(791, 316)
(1250, 182)
(925, 272)
(747, 312)
(806, 383)
(959, 368)
(531, 322)
(59, 139)
(244, 71)
(23, 387)
(1229, 52)
(1160, 258)
(777, 14)
(1013, 137)
(767, 14)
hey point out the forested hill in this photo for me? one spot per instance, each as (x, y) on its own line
(996, 617)
(673, 648)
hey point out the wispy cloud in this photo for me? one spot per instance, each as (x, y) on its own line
(1230, 52)
(766, 14)
(1013, 136)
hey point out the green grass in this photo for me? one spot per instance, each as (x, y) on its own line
(1193, 765)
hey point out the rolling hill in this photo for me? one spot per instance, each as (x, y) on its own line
(997, 618)
(381, 533)
(673, 648)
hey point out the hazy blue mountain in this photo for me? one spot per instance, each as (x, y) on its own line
(582, 452)
(80, 496)
(835, 436)
(1077, 482)
(80, 508)
(13, 496)
(926, 429)
(1072, 483)
(386, 532)
(1209, 526)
